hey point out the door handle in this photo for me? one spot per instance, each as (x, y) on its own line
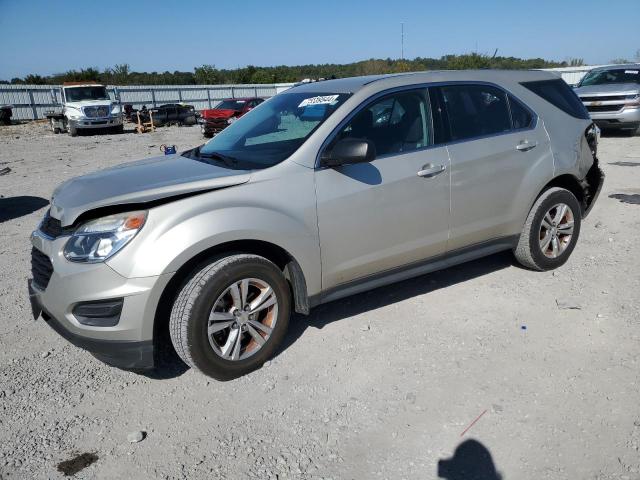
(526, 145)
(429, 170)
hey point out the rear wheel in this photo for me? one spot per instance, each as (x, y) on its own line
(551, 230)
(231, 315)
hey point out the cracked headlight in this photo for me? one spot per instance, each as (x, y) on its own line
(99, 239)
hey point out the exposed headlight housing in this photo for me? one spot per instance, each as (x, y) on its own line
(230, 120)
(99, 239)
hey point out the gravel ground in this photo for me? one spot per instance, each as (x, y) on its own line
(381, 385)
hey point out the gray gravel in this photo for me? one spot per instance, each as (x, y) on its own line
(380, 385)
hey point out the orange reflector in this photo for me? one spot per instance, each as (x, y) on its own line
(135, 221)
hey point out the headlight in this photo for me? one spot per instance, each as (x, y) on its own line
(99, 239)
(116, 110)
(75, 113)
(230, 120)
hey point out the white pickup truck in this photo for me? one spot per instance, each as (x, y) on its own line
(84, 105)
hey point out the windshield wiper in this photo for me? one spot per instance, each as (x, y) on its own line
(226, 159)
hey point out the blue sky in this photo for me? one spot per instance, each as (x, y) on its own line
(40, 36)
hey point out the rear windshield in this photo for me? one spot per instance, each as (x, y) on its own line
(606, 77)
(272, 131)
(559, 94)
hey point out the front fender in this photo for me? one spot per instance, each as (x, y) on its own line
(178, 231)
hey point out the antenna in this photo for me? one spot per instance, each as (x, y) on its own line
(401, 40)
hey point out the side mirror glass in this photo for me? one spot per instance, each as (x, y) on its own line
(348, 151)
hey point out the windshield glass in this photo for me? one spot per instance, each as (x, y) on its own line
(602, 77)
(272, 131)
(231, 104)
(78, 94)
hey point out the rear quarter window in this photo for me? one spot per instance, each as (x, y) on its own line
(560, 95)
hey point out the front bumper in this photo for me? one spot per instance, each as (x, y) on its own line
(121, 354)
(91, 123)
(127, 344)
(627, 118)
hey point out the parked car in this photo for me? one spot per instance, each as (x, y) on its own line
(284, 210)
(214, 120)
(174, 114)
(612, 97)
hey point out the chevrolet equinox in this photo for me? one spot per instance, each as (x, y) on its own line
(323, 191)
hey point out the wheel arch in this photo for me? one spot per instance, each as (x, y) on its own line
(571, 183)
(272, 252)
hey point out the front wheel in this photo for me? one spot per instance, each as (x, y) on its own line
(551, 230)
(231, 315)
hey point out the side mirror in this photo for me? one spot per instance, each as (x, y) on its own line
(348, 151)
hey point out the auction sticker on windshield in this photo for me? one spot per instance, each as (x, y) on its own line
(322, 100)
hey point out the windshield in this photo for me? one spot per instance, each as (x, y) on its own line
(231, 104)
(272, 131)
(78, 94)
(603, 77)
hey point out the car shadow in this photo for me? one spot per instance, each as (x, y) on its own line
(168, 364)
(470, 461)
(16, 207)
(325, 314)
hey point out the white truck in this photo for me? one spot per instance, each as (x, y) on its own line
(84, 106)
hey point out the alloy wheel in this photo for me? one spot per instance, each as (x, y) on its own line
(242, 319)
(556, 230)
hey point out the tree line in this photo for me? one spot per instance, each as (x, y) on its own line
(208, 74)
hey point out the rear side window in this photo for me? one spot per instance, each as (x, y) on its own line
(520, 116)
(475, 110)
(559, 94)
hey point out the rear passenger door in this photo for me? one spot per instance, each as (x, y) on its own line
(498, 151)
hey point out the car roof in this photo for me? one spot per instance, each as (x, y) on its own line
(353, 84)
(624, 66)
(242, 98)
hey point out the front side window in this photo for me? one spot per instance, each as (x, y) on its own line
(272, 131)
(606, 77)
(396, 123)
(475, 111)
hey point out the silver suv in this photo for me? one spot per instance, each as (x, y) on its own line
(321, 192)
(612, 97)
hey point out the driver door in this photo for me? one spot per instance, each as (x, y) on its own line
(390, 212)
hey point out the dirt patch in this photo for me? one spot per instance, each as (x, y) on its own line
(77, 463)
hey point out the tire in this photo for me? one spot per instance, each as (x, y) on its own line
(73, 131)
(206, 291)
(529, 251)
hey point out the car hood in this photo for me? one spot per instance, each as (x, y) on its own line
(138, 183)
(218, 113)
(610, 89)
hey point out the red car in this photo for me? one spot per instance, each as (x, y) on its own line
(214, 120)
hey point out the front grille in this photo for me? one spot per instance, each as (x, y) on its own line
(96, 112)
(51, 227)
(41, 268)
(610, 98)
(604, 108)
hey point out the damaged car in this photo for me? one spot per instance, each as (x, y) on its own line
(323, 191)
(214, 120)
